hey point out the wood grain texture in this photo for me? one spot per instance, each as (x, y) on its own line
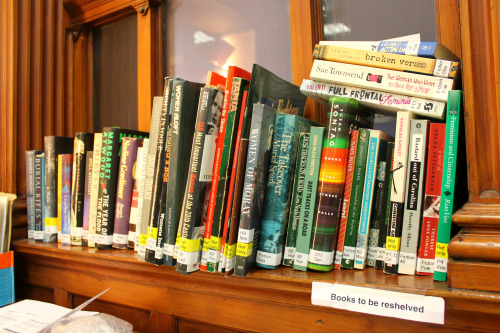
(448, 25)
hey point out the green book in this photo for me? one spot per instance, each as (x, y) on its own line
(448, 184)
(308, 198)
(356, 199)
(287, 129)
(295, 202)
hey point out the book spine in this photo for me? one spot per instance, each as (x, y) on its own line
(30, 187)
(413, 200)
(411, 84)
(82, 143)
(367, 200)
(279, 188)
(145, 201)
(59, 197)
(400, 167)
(134, 204)
(96, 167)
(308, 203)
(397, 62)
(430, 216)
(128, 157)
(256, 174)
(218, 192)
(39, 197)
(66, 180)
(448, 185)
(378, 210)
(344, 116)
(346, 199)
(199, 178)
(296, 200)
(234, 219)
(352, 227)
(159, 170)
(140, 200)
(86, 199)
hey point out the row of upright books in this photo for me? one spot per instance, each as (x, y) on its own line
(232, 176)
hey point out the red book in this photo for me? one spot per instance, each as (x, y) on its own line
(232, 72)
(347, 195)
(430, 219)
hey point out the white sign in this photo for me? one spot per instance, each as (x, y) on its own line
(428, 309)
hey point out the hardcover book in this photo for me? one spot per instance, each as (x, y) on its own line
(432, 199)
(399, 170)
(344, 115)
(185, 106)
(346, 199)
(413, 200)
(373, 99)
(39, 196)
(411, 84)
(53, 146)
(30, 188)
(449, 194)
(108, 179)
(86, 198)
(83, 142)
(296, 200)
(356, 199)
(308, 203)
(134, 204)
(254, 186)
(96, 167)
(140, 200)
(397, 62)
(193, 214)
(124, 190)
(377, 142)
(287, 129)
(66, 169)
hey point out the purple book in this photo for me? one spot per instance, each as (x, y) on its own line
(124, 190)
(86, 197)
(66, 176)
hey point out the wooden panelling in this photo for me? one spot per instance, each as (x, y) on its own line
(448, 24)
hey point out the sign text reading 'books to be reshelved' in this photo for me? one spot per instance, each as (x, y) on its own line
(378, 302)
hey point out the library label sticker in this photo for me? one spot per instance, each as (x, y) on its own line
(427, 309)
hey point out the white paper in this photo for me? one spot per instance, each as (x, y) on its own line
(428, 309)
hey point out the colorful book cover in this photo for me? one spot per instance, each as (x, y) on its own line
(142, 186)
(96, 167)
(59, 197)
(397, 62)
(296, 200)
(230, 233)
(414, 196)
(346, 199)
(287, 129)
(124, 191)
(448, 200)
(222, 165)
(193, 214)
(399, 170)
(30, 189)
(86, 198)
(386, 207)
(254, 186)
(344, 115)
(66, 162)
(53, 146)
(157, 114)
(39, 196)
(185, 106)
(234, 219)
(159, 171)
(432, 199)
(404, 83)
(83, 142)
(304, 228)
(356, 199)
(108, 182)
(134, 204)
(377, 141)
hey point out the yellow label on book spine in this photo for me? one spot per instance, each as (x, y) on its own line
(442, 250)
(152, 233)
(244, 249)
(393, 243)
(143, 239)
(231, 251)
(215, 243)
(206, 245)
(51, 221)
(189, 245)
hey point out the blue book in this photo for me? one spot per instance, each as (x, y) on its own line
(287, 129)
(39, 196)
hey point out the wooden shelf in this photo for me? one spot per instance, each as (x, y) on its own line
(275, 300)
